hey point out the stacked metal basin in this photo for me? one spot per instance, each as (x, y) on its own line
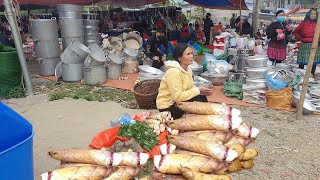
(71, 23)
(45, 36)
(256, 70)
(91, 32)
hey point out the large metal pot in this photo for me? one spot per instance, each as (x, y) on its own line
(96, 56)
(257, 61)
(150, 70)
(89, 42)
(66, 41)
(69, 11)
(92, 37)
(90, 23)
(113, 70)
(69, 7)
(44, 29)
(256, 82)
(71, 27)
(90, 30)
(95, 75)
(308, 107)
(256, 73)
(47, 48)
(72, 72)
(47, 66)
(75, 53)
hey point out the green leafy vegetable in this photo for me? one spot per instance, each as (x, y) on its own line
(141, 133)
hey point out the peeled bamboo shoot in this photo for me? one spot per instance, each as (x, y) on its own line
(205, 108)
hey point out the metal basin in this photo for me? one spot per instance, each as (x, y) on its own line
(257, 61)
(256, 73)
(308, 107)
(149, 69)
(216, 79)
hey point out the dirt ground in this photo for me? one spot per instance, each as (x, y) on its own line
(288, 148)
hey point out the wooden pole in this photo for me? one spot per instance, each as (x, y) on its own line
(240, 18)
(309, 67)
(255, 19)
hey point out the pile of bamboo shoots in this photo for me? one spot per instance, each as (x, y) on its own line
(92, 164)
(211, 143)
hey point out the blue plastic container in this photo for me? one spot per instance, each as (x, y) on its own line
(16, 163)
(13, 128)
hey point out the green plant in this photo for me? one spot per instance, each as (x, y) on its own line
(15, 92)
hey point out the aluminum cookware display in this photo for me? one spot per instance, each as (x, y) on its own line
(257, 61)
(257, 73)
(256, 82)
(216, 79)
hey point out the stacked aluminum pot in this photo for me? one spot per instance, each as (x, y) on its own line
(46, 40)
(71, 23)
(256, 70)
(94, 66)
(72, 61)
(91, 32)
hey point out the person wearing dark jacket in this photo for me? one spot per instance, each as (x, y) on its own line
(153, 45)
(277, 32)
(208, 24)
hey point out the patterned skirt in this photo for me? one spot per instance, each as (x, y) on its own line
(276, 51)
(304, 53)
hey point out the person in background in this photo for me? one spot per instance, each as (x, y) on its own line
(246, 27)
(153, 44)
(260, 34)
(177, 84)
(304, 33)
(3, 37)
(233, 21)
(278, 31)
(208, 24)
(184, 32)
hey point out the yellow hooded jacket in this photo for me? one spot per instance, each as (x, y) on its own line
(176, 85)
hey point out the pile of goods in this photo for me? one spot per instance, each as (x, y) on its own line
(210, 142)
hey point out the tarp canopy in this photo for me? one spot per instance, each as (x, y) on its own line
(214, 4)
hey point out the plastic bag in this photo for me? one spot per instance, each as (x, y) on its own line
(280, 99)
(274, 84)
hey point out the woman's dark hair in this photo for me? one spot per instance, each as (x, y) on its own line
(178, 51)
(208, 14)
(278, 12)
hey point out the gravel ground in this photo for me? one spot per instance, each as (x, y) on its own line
(287, 147)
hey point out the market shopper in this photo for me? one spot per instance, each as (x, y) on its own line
(208, 24)
(278, 31)
(177, 84)
(304, 33)
(153, 44)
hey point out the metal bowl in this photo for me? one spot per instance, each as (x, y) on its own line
(308, 107)
(256, 82)
(216, 79)
(257, 61)
(149, 69)
(256, 73)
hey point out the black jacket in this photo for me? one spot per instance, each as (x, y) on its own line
(153, 44)
(271, 32)
(207, 25)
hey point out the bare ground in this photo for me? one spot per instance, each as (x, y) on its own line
(288, 148)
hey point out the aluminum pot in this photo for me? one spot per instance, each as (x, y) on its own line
(256, 73)
(72, 72)
(149, 69)
(308, 107)
(47, 48)
(95, 75)
(47, 66)
(256, 82)
(69, 7)
(66, 41)
(71, 27)
(96, 56)
(257, 61)
(44, 29)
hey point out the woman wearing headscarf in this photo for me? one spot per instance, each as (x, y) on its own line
(304, 33)
(177, 84)
(278, 31)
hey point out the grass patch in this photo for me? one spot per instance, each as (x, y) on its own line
(91, 93)
(15, 92)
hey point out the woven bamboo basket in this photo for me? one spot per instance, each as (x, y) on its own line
(146, 93)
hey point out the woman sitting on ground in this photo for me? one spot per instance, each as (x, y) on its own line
(177, 84)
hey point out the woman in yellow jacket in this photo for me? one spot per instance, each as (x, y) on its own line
(177, 84)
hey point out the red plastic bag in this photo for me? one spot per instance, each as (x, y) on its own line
(106, 138)
(141, 116)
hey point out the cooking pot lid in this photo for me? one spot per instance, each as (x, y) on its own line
(114, 58)
(97, 53)
(131, 52)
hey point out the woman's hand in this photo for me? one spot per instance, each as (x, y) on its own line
(205, 91)
(288, 28)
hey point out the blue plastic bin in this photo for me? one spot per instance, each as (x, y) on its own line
(13, 128)
(16, 163)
